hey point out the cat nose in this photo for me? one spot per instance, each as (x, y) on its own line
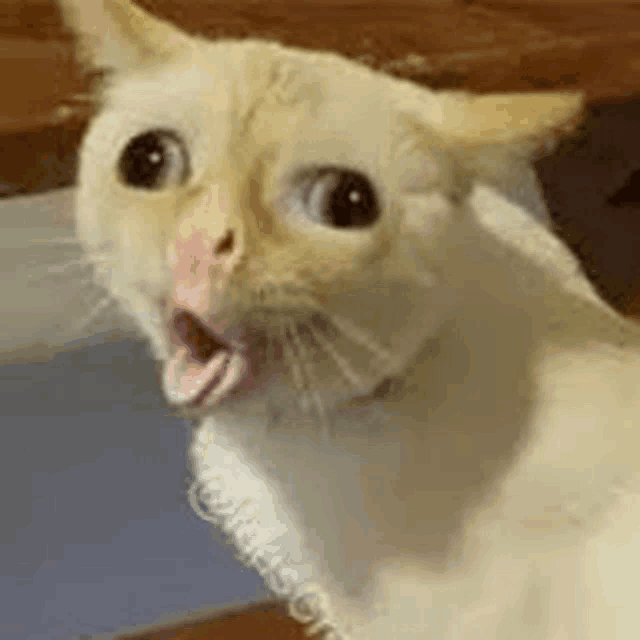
(202, 265)
(202, 255)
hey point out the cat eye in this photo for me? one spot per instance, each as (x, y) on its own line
(154, 160)
(341, 198)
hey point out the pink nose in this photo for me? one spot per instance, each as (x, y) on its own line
(201, 266)
(202, 256)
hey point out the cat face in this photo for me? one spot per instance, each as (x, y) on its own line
(273, 216)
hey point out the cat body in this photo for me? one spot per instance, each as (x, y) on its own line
(416, 416)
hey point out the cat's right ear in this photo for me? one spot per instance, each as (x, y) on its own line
(118, 35)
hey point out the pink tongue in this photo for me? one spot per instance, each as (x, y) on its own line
(184, 380)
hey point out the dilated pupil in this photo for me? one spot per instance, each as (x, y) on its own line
(143, 160)
(352, 202)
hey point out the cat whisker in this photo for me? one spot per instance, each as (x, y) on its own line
(273, 411)
(359, 336)
(57, 241)
(345, 369)
(306, 369)
(103, 304)
(83, 285)
(98, 258)
(291, 359)
(79, 263)
(364, 339)
(304, 372)
(325, 422)
(296, 355)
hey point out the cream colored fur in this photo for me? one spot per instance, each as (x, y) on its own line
(490, 493)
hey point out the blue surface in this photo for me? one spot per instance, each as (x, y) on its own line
(96, 531)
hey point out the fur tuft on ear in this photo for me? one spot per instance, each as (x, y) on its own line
(116, 34)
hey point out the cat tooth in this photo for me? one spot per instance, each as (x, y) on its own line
(234, 372)
(182, 380)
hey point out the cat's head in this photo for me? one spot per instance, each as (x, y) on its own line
(279, 213)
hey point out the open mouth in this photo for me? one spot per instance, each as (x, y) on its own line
(200, 341)
(205, 366)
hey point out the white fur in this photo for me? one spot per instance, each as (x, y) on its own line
(492, 495)
(534, 541)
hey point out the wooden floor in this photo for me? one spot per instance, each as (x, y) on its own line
(268, 621)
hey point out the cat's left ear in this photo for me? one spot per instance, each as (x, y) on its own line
(531, 122)
(118, 35)
(493, 137)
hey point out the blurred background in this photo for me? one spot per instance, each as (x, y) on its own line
(96, 536)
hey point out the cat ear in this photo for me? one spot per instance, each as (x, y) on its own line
(531, 122)
(491, 137)
(116, 34)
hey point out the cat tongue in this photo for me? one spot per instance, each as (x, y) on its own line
(184, 379)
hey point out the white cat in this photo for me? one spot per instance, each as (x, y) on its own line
(417, 418)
